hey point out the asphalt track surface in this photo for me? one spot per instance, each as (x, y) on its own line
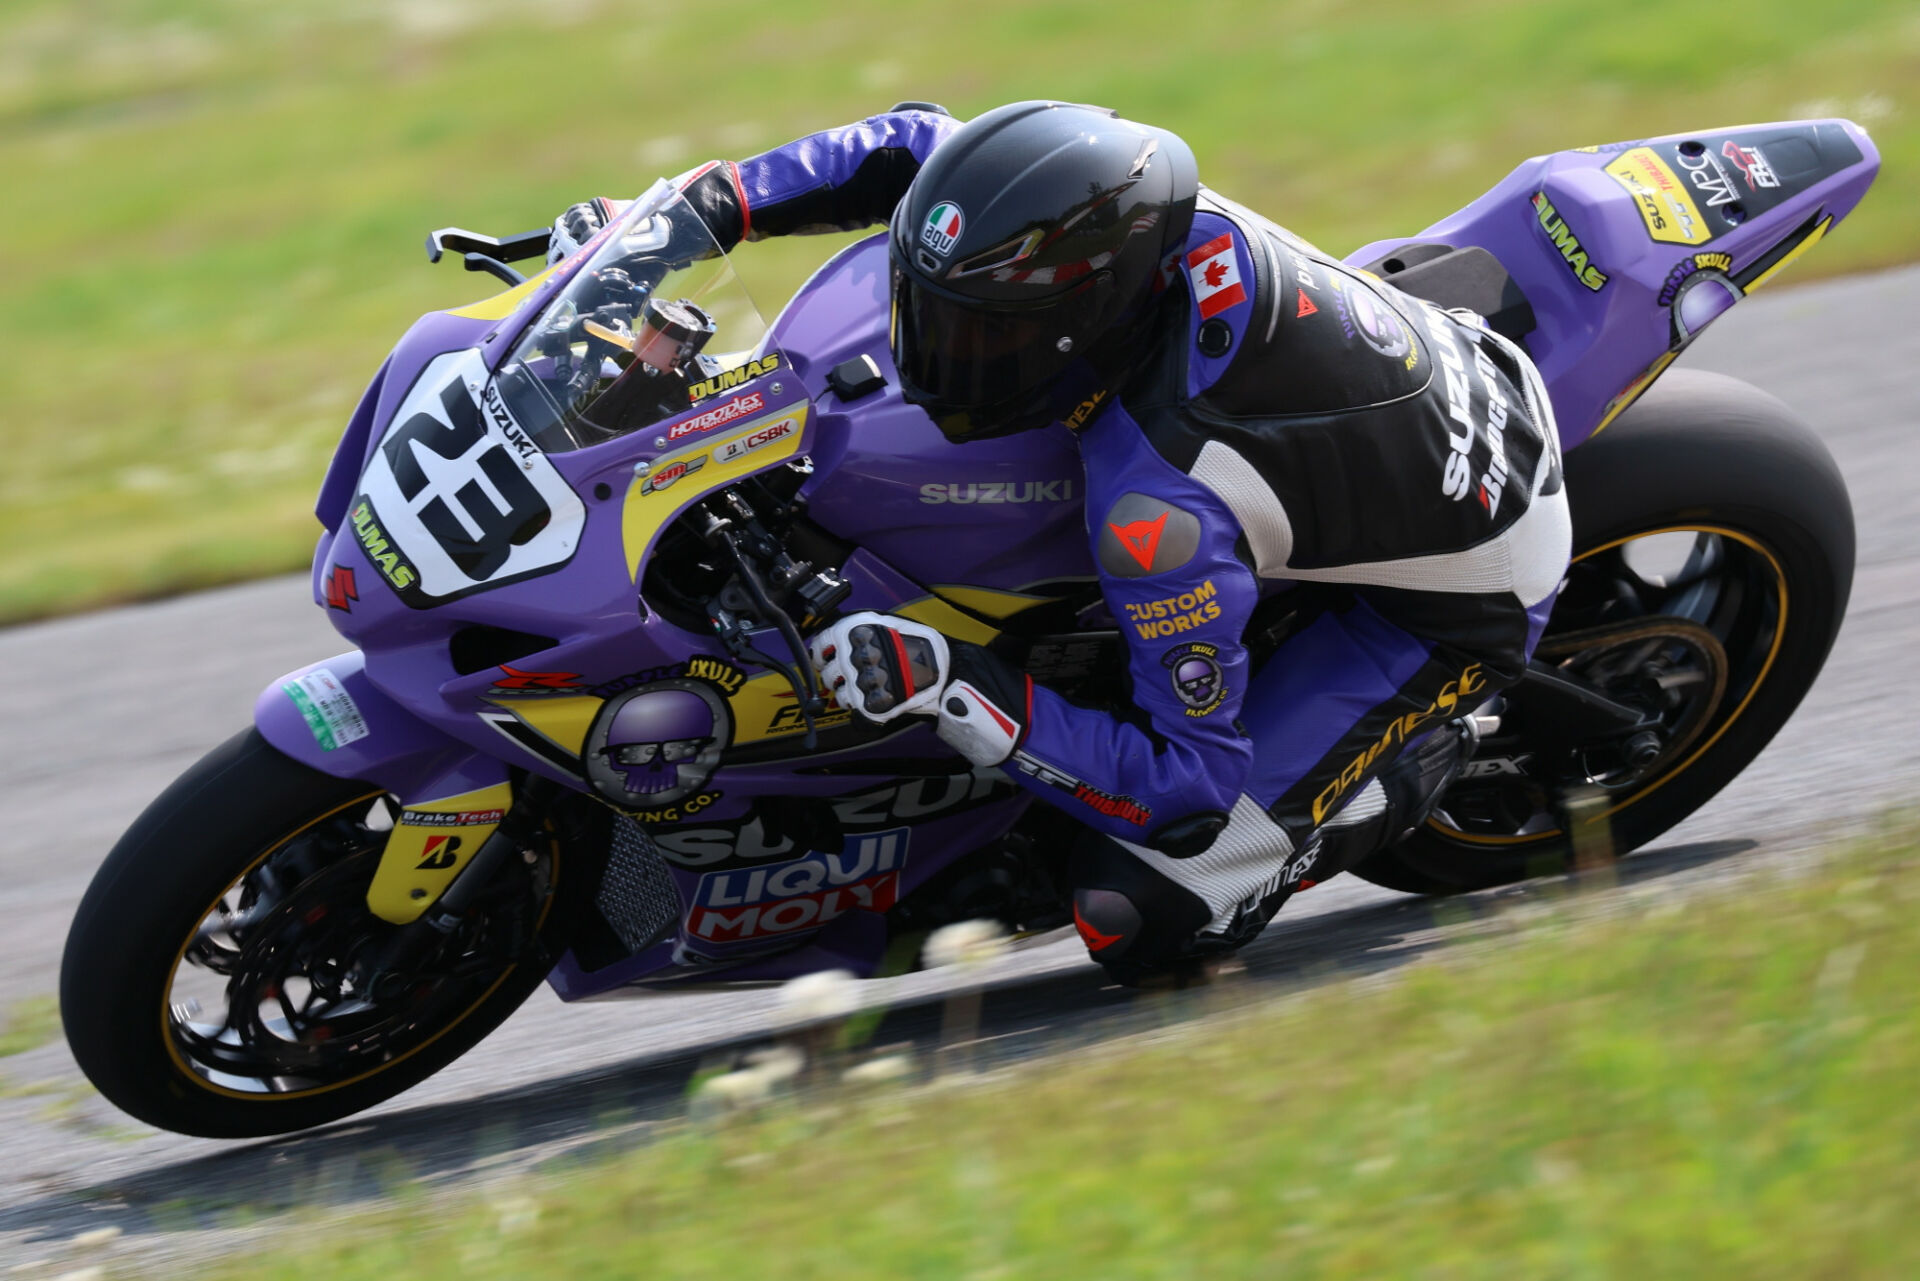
(98, 713)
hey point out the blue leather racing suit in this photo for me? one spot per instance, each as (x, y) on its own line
(1302, 443)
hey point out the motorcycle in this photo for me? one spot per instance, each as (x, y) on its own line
(577, 531)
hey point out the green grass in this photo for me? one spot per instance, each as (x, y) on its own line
(212, 213)
(31, 1024)
(1721, 1086)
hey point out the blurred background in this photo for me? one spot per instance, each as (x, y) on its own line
(212, 211)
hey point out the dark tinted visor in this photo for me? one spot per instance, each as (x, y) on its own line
(954, 352)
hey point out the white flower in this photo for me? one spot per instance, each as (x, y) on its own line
(777, 1063)
(731, 1092)
(879, 1071)
(816, 998)
(971, 944)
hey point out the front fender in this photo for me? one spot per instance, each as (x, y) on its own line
(330, 716)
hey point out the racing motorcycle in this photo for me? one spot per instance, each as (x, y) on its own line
(577, 532)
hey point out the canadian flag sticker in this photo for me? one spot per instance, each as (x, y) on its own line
(1216, 276)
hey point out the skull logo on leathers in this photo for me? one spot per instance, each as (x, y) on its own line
(1198, 682)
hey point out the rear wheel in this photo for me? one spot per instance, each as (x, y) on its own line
(1713, 556)
(223, 975)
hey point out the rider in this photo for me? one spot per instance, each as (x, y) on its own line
(1251, 414)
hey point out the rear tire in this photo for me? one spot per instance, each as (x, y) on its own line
(1699, 452)
(217, 826)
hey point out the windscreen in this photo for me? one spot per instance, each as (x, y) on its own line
(639, 334)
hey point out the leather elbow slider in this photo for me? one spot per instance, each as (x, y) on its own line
(1190, 836)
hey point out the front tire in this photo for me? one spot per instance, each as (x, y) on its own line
(244, 883)
(1705, 456)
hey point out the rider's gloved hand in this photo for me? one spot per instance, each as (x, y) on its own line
(579, 224)
(881, 667)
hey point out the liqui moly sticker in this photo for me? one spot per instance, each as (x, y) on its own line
(802, 894)
(740, 446)
(1216, 276)
(719, 416)
(941, 232)
(329, 710)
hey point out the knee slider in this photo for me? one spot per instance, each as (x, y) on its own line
(1130, 916)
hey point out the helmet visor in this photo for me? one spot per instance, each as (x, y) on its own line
(958, 353)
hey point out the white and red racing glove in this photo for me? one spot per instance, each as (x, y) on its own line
(882, 666)
(579, 224)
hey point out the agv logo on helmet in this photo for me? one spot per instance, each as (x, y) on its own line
(941, 231)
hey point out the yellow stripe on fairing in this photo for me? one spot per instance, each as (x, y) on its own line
(1635, 388)
(946, 620)
(645, 515)
(563, 721)
(500, 306)
(1813, 238)
(986, 600)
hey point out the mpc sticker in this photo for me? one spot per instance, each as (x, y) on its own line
(458, 497)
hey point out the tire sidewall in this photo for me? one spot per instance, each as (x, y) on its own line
(213, 824)
(1699, 450)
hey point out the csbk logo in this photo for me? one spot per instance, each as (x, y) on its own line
(941, 232)
(740, 446)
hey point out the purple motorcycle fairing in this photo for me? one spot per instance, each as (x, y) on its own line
(1596, 348)
(584, 644)
(1002, 513)
(925, 513)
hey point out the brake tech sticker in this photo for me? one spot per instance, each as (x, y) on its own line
(802, 894)
(1142, 535)
(328, 709)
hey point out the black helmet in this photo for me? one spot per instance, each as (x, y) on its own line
(1027, 256)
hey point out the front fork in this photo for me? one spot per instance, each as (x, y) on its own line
(458, 807)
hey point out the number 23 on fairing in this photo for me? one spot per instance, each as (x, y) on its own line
(462, 490)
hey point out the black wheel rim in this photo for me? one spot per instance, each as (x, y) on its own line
(276, 991)
(1701, 610)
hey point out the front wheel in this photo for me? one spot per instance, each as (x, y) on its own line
(1713, 557)
(221, 977)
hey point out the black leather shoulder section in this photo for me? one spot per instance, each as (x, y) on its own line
(1341, 342)
(1424, 473)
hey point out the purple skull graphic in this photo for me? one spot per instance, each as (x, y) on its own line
(654, 734)
(1196, 678)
